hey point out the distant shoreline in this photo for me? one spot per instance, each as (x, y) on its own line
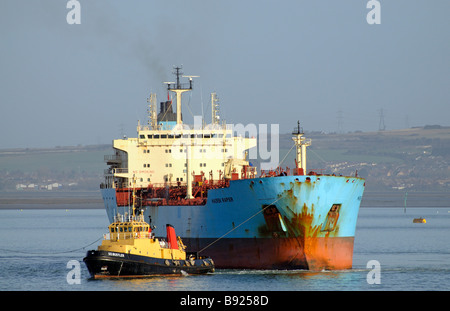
(57, 203)
(50, 206)
(51, 200)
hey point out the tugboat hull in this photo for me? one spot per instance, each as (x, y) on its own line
(104, 264)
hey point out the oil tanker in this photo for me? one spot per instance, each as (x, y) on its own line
(200, 180)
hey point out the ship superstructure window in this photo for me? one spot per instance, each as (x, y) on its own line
(142, 136)
(202, 164)
(168, 164)
(149, 136)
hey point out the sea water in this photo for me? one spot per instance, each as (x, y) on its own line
(43, 249)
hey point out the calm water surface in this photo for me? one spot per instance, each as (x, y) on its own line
(36, 245)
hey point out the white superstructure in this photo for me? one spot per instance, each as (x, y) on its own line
(167, 152)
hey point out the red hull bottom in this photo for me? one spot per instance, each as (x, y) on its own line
(330, 253)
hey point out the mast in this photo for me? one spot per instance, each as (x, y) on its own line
(215, 118)
(179, 88)
(300, 143)
(151, 110)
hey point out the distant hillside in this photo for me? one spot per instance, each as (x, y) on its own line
(74, 168)
(416, 159)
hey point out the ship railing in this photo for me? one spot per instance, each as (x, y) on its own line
(213, 130)
(112, 157)
(176, 86)
(118, 218)
(307, 141)
(120, 170)
(127, 218)
(127, 235)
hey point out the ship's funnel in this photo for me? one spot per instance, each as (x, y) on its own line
(171, 237)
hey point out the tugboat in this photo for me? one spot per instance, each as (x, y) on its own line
(130, 249)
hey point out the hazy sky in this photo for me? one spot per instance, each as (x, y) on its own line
(268, 61)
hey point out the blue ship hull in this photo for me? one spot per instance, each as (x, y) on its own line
(284, 222)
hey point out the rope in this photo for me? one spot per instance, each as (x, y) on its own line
(318, 156)
(262, 210)
(189, 105)
(286, 155)
(51, 253)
